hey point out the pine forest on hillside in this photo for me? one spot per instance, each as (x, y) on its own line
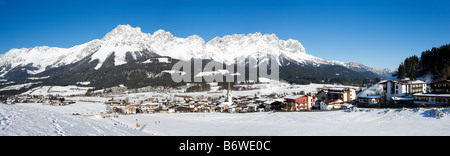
(435, 61)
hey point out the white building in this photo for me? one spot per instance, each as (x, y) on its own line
(431, 99)
(401, 89)
(345, 94)
(330, 104)
(438, 95)
(371, 99)
(148, 107)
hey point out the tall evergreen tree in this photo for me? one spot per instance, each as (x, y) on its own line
(410, 66)
(401, 71)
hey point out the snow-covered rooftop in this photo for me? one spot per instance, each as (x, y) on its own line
(432, 95)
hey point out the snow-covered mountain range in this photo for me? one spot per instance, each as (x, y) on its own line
(124, 38)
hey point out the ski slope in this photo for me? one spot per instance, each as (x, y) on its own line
(37, 119)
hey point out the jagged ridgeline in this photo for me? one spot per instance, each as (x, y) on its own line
(135, 59)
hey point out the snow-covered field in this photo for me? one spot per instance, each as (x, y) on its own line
(40, 120)
(363, 122)
(37, 119)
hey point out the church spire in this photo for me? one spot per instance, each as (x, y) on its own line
(229, 96)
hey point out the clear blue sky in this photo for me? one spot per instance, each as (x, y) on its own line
(377, 33)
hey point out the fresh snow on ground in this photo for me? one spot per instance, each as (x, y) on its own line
(363, 122)
(18, 86)
(38, 119)
(58, 90)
